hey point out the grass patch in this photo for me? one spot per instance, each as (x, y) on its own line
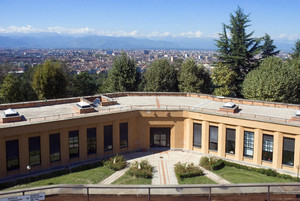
(235, 175)
(196, 180)
(129, 179)
(91, 176)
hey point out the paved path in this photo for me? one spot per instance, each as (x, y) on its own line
(163, 163)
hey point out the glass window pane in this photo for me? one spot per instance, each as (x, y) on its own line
(230, 141)
(54, 141)
(91, 141)
(12, 155)
(123, 135)
(34, 151)
(74, 144)
(288, 151)
(213, 138)
(197, 134)
(108, 138)
(248, 143)
(267, 148)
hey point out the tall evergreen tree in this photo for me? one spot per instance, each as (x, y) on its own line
(193, 78)
(268, 48)
(49, 80)
(238, 48)
(161, 77)
(124, 75)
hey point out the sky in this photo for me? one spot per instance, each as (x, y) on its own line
(148, 18)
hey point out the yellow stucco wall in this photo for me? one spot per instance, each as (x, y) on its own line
(139, 124)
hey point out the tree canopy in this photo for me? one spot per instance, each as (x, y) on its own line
(83, 85)
(10, 89)
(237, 48)
(123, 76)
(223, 78)
(274, 80)
(161, 77)
(193, 78)
(49, 80)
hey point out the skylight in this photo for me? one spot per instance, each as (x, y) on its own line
(83, 105)
(10, 113)
(229, 105)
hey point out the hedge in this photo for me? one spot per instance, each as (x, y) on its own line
(185, 170)
(142, 169)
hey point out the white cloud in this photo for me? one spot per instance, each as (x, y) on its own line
(190, 34)
(22, 29)
(284, 36)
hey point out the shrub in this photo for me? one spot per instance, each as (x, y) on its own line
(142, 169)
(212, 163)
(185, 170)
(116, 163)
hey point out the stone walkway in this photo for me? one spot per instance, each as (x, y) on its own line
(163, 163)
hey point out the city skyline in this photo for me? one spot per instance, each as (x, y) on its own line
(147, 19)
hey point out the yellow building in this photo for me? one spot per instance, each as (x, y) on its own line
(57, 133)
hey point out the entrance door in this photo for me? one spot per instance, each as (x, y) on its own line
(160, 137)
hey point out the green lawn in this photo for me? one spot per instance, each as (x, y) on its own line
(91, 176)
(196, 180)
(235, 175)
(128, 179)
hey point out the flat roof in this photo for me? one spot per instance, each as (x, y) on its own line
(160, 102)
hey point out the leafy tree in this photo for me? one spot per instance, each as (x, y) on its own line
(223, 78)
(268, 49)
(10, 89)
(161, 77)
(28, 94)
(49, 80)
(296, 53)
(274, 80)
(83, 85)
(123, 75)
(193, 78)
(238, 48)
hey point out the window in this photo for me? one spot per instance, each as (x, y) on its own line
(230, 141)
(124, 135)
(248, 143)
(267, 148)
(197, 135)
(108, 138)
(288, 151)
(213, 138)
(12, 155)
(73, 144)
(34, 151)
(91, 141)
(54, 142)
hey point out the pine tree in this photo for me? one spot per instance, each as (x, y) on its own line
(124, 75)
(238, 48)
(193, 78)
(268, 49)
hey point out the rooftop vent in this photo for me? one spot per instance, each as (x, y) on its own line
(83, 105)
(296, 117)
(298, 113)
(11, 113)
(229, 105)
(97, 102)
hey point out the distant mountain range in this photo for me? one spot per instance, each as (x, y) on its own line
(105, 42)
